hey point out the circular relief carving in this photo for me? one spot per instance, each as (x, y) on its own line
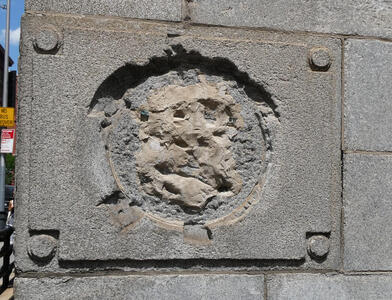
(187, 147)
(42, 247)
(48, 40)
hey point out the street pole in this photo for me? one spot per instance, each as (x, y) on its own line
(3, 212)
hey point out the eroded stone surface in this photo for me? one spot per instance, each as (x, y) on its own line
(185, 155)
(192, 144)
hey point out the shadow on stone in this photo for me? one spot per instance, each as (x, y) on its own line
(177, 58)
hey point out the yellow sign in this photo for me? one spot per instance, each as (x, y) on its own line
(7, 117)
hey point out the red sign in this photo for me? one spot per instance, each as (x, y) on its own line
(7, 140)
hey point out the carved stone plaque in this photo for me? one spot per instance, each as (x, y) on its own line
(200, 146)
(192, 150)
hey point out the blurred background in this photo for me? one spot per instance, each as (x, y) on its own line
(6, 233)
(17, 8)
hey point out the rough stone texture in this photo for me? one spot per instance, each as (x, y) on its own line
(318, 246)
(42, 247)
(363, 17)
(142, 287)
(368, 95)
(188, 139)
(329, 287)
(367, 212)
(191, 156)
(145, 9)
(295, 175)
(47, 40)
(186, 134)
(320, 59)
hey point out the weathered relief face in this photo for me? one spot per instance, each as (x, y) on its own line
(185, 146)
(185, 156)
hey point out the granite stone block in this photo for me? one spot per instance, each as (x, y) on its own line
(170, 160)
(364, 17)
(160, 287)
(244, 173)
(368, 95)
(329, 287)
(169, 10)
(367, 212)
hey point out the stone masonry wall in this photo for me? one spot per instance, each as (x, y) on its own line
(203, 149)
